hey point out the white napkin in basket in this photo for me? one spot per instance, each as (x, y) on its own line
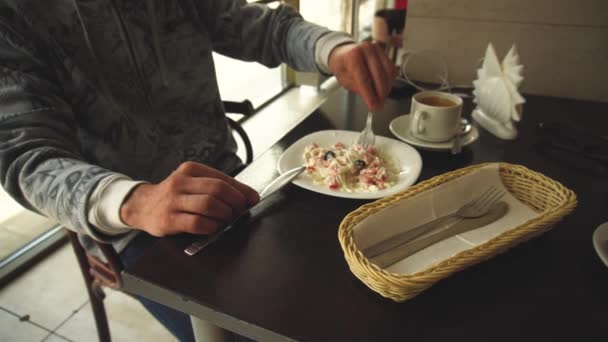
(430, 204)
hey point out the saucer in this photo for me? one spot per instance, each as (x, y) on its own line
(600, 242)
(400, 127)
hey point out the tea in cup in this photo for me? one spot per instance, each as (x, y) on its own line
(435, 116)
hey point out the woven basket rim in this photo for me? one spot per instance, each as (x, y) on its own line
(482, 251)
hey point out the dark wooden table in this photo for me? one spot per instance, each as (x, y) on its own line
(283, 275)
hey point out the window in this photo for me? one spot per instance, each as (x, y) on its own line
(23, 235)
(336, 14)
(251, 81)
(239, 81)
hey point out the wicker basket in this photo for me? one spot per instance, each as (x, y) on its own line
(549, 198)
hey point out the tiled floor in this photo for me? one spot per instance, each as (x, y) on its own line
(49, 303)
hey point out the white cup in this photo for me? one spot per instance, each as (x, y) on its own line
(435, 116)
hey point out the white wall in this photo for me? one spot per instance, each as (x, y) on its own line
(563, 44)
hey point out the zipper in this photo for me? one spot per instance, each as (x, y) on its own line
(133, 56)
(105, 89)
(155, 36)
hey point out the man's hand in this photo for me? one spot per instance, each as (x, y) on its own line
(364, 69)
(194, 199)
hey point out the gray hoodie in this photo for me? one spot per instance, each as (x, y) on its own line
(90, 88)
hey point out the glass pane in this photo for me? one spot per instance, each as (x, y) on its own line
(18, 227)
(333, 14)
(239, 81)
(8, 206)
(251, 81)
(326, 13)
(366, 17)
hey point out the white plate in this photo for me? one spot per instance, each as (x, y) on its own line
(400, 127)
(600, 242)
(403, 155)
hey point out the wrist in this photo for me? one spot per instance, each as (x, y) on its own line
(334, 60)
(103, 205)
(133, 203)
(325, 45)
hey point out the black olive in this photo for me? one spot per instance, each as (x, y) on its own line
(359, 164)
(329, 155)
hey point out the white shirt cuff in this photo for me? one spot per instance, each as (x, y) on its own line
(103, 209)
(325, 44)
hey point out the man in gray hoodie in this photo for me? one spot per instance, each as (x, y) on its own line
(110, 116)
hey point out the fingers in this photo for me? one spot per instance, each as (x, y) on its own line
(364, 69)
(218, 189)
(202, 190)
(389, 68)
(363, 79)
(195, 224)
(374, 73)
(205, 205)
(202, 171)
(379, 74)
(194, 199)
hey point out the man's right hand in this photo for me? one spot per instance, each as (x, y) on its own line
(365, 69)
(194, 199)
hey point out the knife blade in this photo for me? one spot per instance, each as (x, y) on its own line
(271, 188)
(403, 251)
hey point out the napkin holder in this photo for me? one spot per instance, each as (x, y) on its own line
(496, 93)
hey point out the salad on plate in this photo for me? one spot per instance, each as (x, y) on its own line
(353, 168)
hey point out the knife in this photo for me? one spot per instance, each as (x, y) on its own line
(275, 185)
(403, 251)
(410, 235)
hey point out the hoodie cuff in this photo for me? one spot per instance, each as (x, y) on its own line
(104, 204)
(325, 45)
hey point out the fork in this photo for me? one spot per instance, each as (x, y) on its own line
(367, 137)
(477, 207)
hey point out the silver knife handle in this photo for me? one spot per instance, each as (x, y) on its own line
(404, 237)
(199, 245)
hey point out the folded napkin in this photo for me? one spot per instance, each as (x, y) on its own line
(430, 204)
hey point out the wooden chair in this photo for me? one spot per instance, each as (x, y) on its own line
(98, 273)
(246, 109)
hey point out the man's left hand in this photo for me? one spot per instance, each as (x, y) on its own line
(364, 69)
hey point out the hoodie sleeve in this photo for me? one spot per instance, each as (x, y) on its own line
(41, 166)
(255, 32)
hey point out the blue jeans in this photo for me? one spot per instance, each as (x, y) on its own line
(177, 322)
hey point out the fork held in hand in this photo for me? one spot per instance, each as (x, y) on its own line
(367, 137)
(477, 207)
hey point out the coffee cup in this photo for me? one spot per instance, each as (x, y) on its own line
(435, 116)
